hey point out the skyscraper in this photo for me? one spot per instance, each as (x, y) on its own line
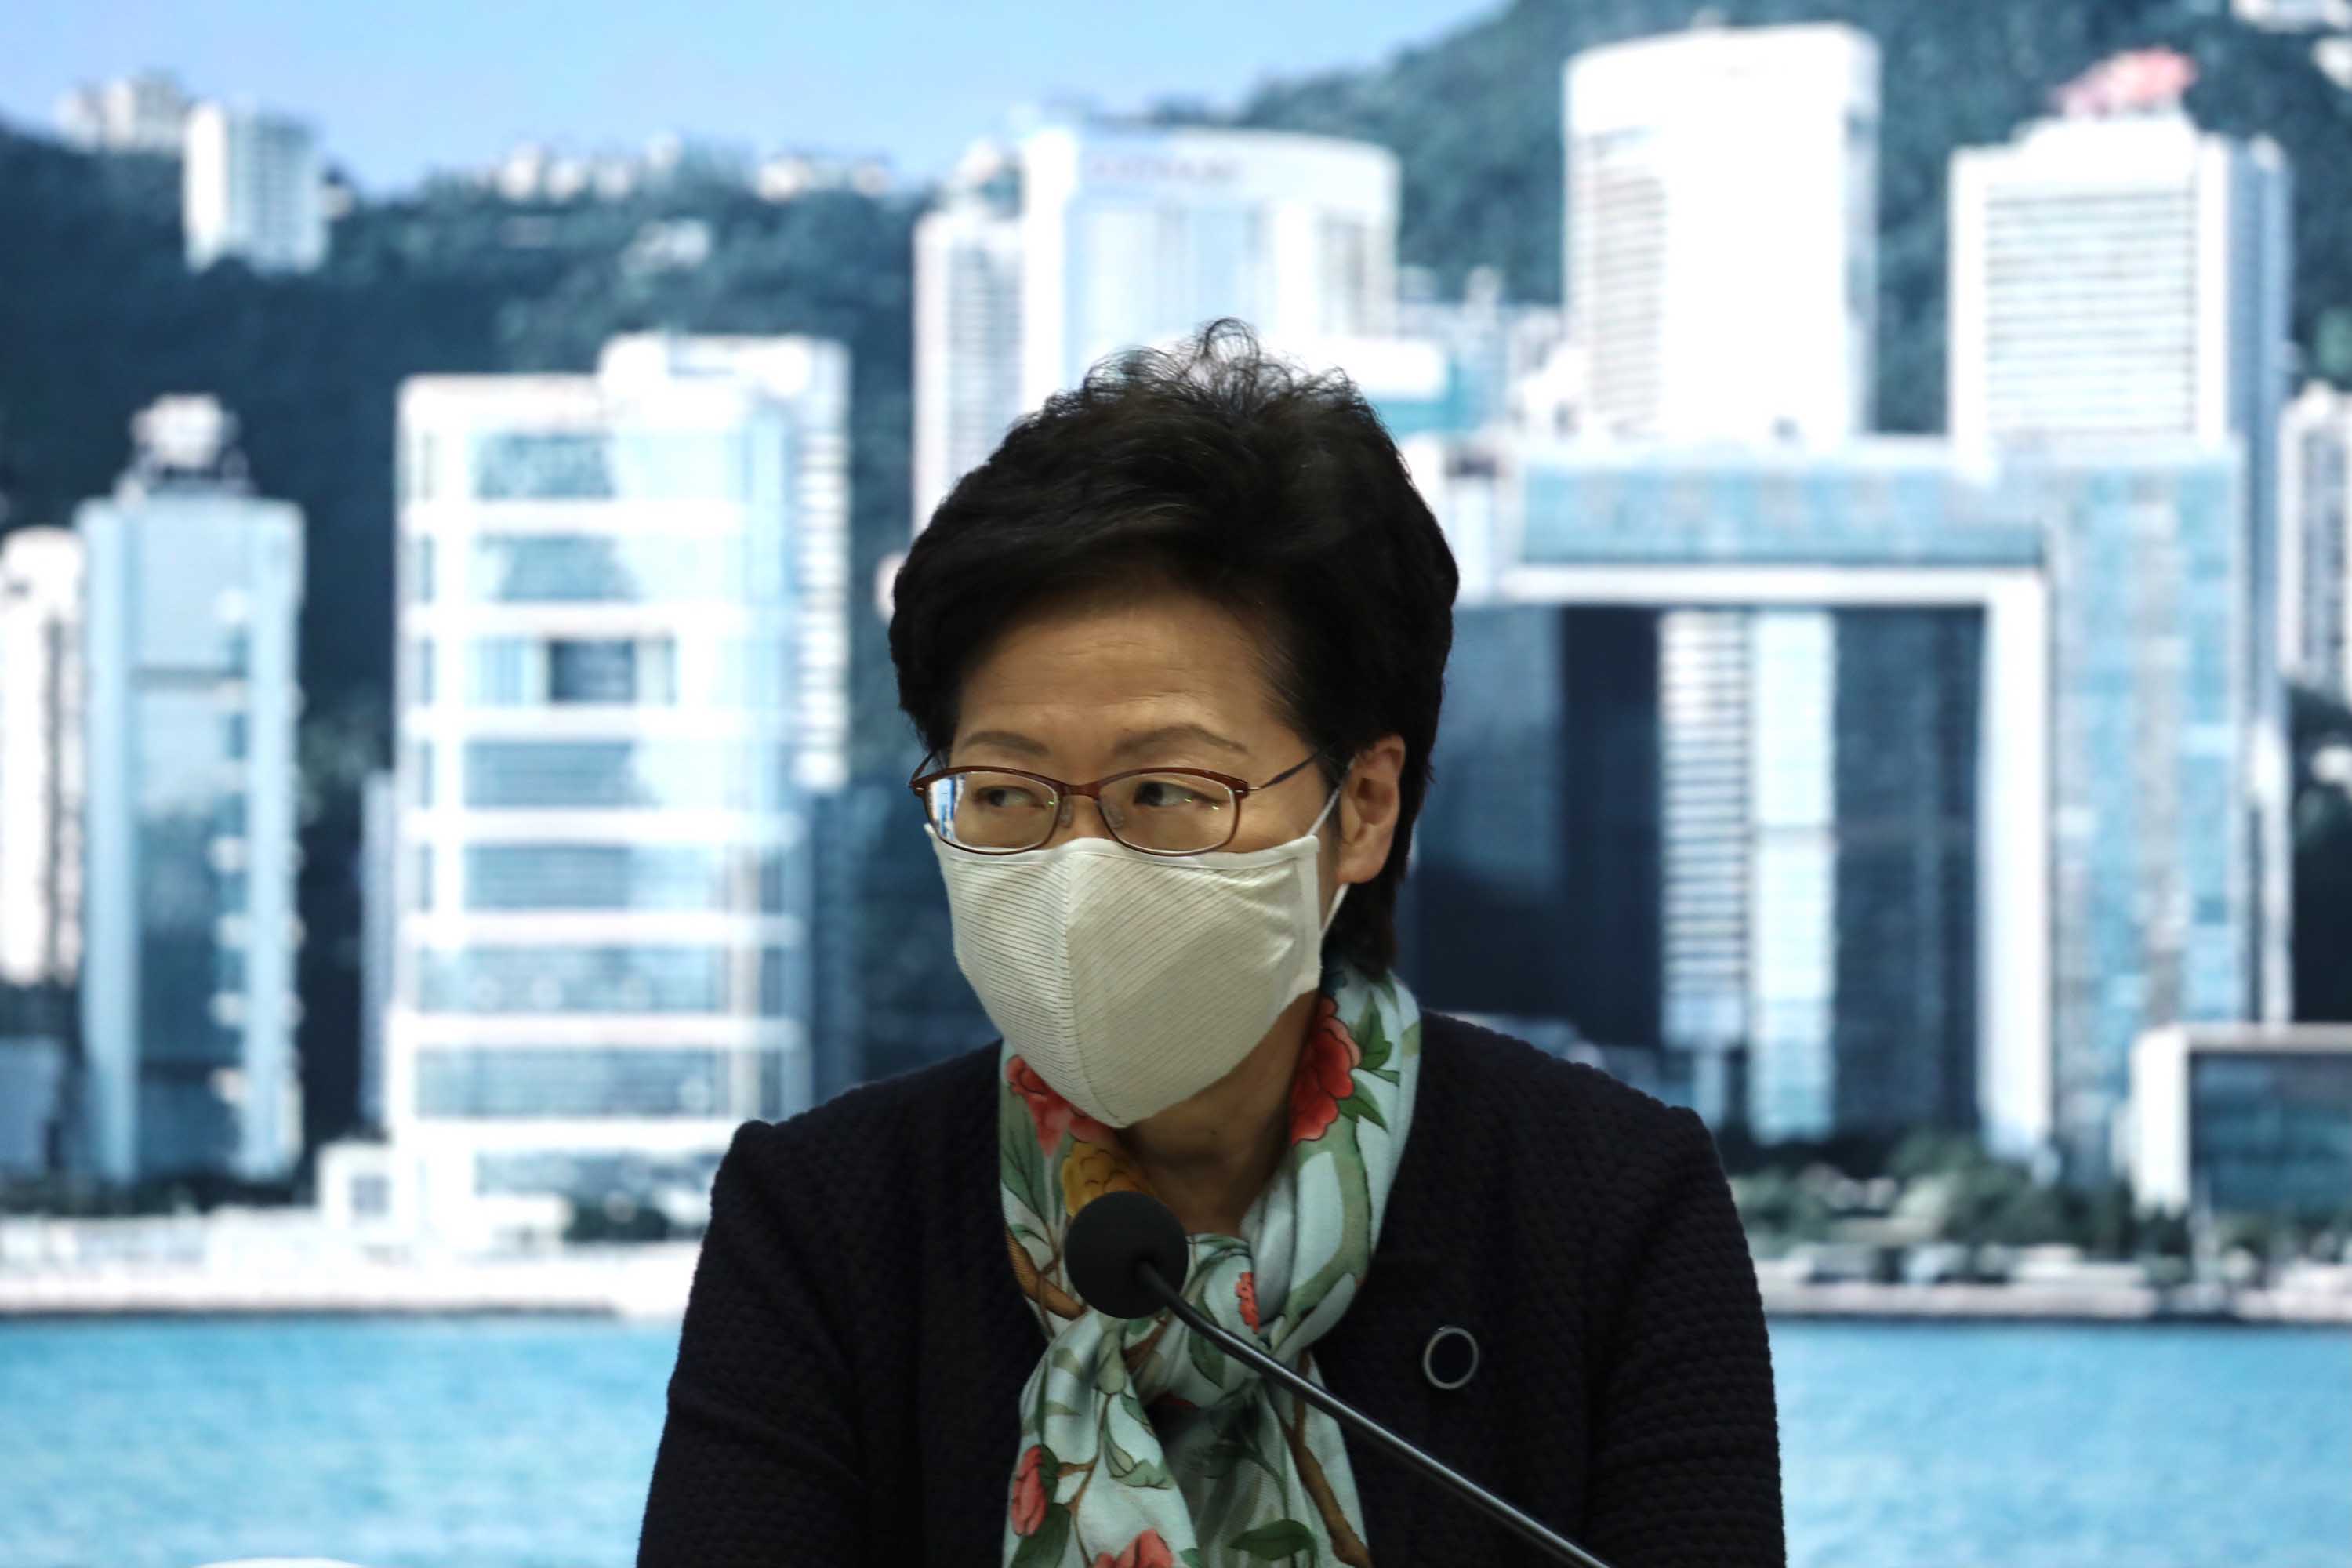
(2163, 763)
(1721, 269)
(2315, 539)
(966, 326)
(1706, 892)
(250, 189)
(1849, 724)
(41, 758)
(622, 680)
(188, 1008)
(41, 785)
(1085, 239)
(1135, 235)
(2119, 275)
(1722, 212)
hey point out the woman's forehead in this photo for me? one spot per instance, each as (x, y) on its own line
(1106, 677)
(1128, 648)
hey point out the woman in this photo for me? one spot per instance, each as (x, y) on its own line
(1177, 649)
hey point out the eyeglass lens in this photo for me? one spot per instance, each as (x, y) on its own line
(1172, 814)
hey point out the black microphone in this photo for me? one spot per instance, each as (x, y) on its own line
(1125, 1248)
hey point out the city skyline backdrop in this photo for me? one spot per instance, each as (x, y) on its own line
(1723, 622)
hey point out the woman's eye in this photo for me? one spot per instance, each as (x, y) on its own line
(1161, 794)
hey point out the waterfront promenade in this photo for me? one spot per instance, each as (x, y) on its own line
(259, 1263)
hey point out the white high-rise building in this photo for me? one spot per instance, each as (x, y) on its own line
(41, 758)
(2316, 539)
(1705, 846)
(622, 673)
(2119, 275)
(143, 114)
(250, 188)
(1134, 235)
(966, 338)
(2296, 16)
(188, 1007)
(1722, 231)
(1088, 238)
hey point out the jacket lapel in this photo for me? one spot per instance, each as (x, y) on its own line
(987, 1345)
(1372, 1356)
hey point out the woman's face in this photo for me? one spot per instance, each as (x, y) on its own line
(1161, 677)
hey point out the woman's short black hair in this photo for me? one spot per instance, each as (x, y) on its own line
(1229, 473)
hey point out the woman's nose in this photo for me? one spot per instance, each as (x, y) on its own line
(1070, 823)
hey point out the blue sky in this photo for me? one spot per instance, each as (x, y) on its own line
(397, 89)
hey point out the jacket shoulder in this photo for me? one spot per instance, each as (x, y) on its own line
(1521, 1120)
(1500, 1077)
(876, 1134)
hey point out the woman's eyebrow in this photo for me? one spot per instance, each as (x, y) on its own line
(1006, 740)
(1127, 745)
(1146, 740)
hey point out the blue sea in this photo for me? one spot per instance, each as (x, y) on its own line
(527, 1442)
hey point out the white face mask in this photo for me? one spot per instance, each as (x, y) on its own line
(1131, 981)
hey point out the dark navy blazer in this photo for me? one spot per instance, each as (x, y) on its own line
(854, 1346)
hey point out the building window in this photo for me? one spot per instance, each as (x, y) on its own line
(542, 464)
(502, 672)
(370, 1196)
(589, 465)
(595, 877)
(605, 775)
(585, 568)
(574, 979)
(422, 673)
(523, 1081)
(604, 670)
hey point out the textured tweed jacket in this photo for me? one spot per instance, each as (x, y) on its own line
(854, 1346)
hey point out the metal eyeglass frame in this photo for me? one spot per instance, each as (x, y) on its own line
(1065, 791)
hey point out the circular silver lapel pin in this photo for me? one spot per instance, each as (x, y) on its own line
(1451, 1358)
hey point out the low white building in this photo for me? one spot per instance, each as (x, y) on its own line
(2237, 1117)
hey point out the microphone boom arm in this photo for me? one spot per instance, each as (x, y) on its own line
(1527, 1528)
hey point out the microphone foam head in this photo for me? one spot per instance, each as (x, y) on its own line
(1108, 1237)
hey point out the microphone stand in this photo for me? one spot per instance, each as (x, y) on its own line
(1528, 1528)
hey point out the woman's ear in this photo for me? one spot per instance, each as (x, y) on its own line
(1370, 800)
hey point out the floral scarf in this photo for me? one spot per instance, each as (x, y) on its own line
(1143, 1445)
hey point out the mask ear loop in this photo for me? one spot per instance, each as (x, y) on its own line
(1340, 893)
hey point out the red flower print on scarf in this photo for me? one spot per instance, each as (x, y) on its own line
(1051, 1113)
(1246, 1289)
(1146, 1550)
(1029, 1492)
(1325, 1075)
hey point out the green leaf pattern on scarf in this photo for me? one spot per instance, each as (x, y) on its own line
(1143, 1445)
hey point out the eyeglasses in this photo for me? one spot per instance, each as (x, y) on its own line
(1159, 811)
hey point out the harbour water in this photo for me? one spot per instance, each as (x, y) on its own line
(525, 1442)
